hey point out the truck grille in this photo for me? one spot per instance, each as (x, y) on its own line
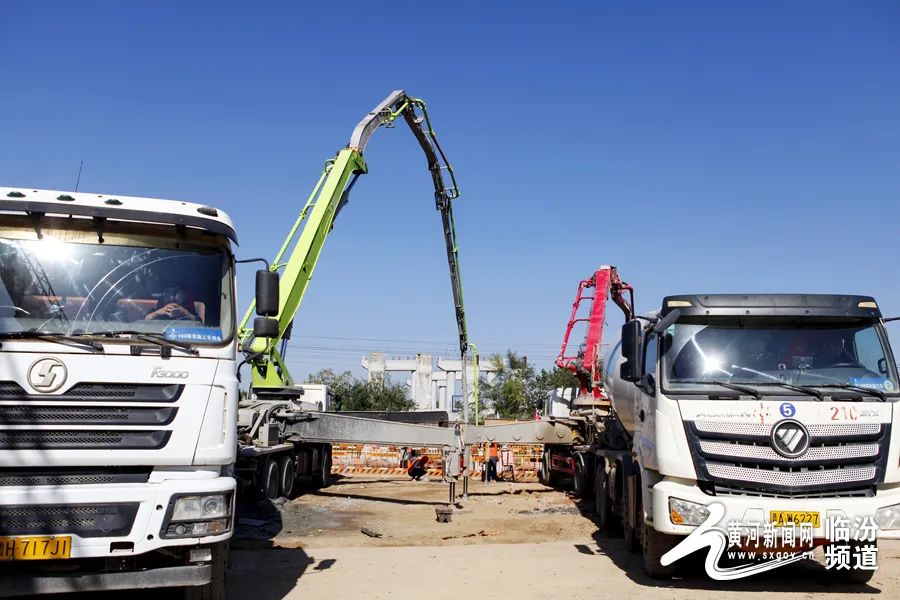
(48, 439)
(738, 458)
(23, 477)
(85, 520)
(98, 392)
(85, 415)
(108, 407)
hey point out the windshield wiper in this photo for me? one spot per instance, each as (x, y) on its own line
(153, 338)
(749, 391)
(797, 388)
(855, 388)
(55, 337)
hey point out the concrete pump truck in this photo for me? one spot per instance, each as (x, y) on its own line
(119, 395)
(776, 408)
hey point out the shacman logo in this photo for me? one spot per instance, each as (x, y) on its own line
(47, 375)
(161, 373)
(790, 438)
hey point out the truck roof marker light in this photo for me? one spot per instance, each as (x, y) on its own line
(65, 198)
(676, 303)
(15, 195)
(209, 211)
(867, 304)
(113, 202)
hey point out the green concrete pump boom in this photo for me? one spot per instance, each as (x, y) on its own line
(270, 374)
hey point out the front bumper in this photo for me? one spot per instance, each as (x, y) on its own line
(190, 575)
(752, 509)
(152, 499)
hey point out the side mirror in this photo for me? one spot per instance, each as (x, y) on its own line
(667, 320)
(265, 327)
(630, 369)
(266, 293)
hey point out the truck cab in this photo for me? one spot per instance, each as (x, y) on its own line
(779, 407)
(118, 393)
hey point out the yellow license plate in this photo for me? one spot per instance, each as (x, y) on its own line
(797, 517)
(35, 547)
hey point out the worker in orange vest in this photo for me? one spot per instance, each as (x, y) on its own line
(418, 468)
(493, 459)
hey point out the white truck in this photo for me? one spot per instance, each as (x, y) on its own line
(779, 407)
(118, 393)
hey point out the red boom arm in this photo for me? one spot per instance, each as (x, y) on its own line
(585, 364)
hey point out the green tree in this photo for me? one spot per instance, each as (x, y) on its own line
(546, 381)
(355, 394)
(511, 394)
(339, 384)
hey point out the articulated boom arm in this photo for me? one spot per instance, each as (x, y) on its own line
(585, 363)
(316, 220)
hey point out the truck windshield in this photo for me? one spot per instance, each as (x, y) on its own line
(826, 354)
(56, 287)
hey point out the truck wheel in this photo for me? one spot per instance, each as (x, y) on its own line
(577, 480)
(544, 471)
(579, 485)
(655, 544)
(550, 477)
(215, 589)
(286, 475)
(323, 477)
(270, 480)
(609, 523)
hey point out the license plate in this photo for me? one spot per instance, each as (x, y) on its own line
(797, 517)
(35, 547)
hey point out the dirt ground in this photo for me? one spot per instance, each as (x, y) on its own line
(507, 541)
(403, 513)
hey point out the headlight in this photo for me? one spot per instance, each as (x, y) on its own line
(197, 516)
(888, 517)
(682, 512)
(196, 508)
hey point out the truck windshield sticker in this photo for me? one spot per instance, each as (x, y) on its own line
(194, 334)
(877, 383)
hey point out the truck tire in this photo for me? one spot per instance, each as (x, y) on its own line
(544, 470)
(323, 476)
(215, 589)
(549, 476)
(579, 481)
(654, 545)
(271, 486)
(609, 524)
(286, 475)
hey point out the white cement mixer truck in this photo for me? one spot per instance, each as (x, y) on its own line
(778, 407)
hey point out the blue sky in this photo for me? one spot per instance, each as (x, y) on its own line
(698, 146)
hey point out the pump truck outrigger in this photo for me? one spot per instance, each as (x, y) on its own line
(697, 394)
(119, 391)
